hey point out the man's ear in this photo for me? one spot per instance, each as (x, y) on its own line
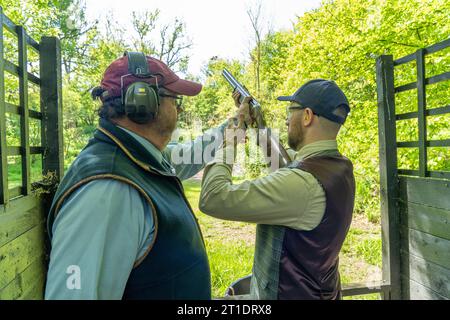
(307, 117)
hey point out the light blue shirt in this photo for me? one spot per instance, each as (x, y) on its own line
(105, 226)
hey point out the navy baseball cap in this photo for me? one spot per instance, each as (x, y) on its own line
(323, 97)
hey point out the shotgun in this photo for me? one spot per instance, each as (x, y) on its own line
(274, 145)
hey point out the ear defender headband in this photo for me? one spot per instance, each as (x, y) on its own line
(141, 100)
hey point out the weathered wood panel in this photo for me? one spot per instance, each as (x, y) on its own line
(388, 173)
(427, 219)
(16, 256)
(426, 191)
(22, 245)
(426, 246)
(20, 205)
(51, 106)
(4, 197)
(14, 225)
(28, 284)
(35, 289)
(426, 273)
(416, 291)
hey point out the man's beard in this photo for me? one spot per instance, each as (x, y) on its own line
(295, 138)
(165, 124)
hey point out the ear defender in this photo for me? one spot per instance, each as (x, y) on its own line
(141, 102)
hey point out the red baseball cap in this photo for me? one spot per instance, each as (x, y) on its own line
(111, 81)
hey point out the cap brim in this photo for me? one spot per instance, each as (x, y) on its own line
(184, 87)
(286, 98)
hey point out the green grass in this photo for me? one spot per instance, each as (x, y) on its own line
(230, 248)
(15, 172)
(230, 245)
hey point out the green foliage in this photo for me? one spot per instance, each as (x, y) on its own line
(341, 41)
(370, 250)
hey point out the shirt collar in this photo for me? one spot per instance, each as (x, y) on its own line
(316, 148)
(150, 147)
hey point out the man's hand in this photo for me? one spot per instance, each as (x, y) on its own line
(244, 108)
(235, 132)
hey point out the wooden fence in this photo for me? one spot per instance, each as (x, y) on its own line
(415, 202)
(22, 206)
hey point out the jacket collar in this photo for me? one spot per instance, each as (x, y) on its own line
(110, 133)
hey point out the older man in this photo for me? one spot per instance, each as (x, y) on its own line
(120, 224)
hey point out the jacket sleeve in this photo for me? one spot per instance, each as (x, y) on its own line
(191, 157)
(287, 197)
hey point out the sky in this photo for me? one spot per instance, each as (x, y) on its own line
(215, 27)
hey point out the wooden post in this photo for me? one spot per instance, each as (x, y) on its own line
(51, 106)
(421, 99)
(388, 174)
(3, 148)
(24, 127)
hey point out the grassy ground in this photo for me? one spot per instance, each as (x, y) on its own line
(230, 247)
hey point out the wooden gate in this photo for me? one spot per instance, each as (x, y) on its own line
(415, 201)
(22, 203)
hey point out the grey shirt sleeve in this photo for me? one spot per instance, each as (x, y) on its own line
(99, 233)
(189, 158)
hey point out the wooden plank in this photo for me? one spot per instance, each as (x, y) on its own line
(422, 105)
(35, 290)
(15, 224)
(3, 154)
(438, 111)
(11, 68)
(14, 151)
(11, 108)
(420, 292)
(426, 219)
(426, 246)
(428, 112)
(438, 46)
(388, 174)
(15, 192)
(36, 150)
(431, 80)
(18, 206)
(51, 106)
(8, 24)
(26, 281)
(406, 87)
(17, 151)
(408, 144)
(438, 143)
(34, 79)
(426, 191)
(33, 44)
(439, 174)
(356, 289)
(35, 114)
(405, 59)
(24, 125)
(424, 144)
(426, 273)
(433, 174)
(17, 70)
(18, 254)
